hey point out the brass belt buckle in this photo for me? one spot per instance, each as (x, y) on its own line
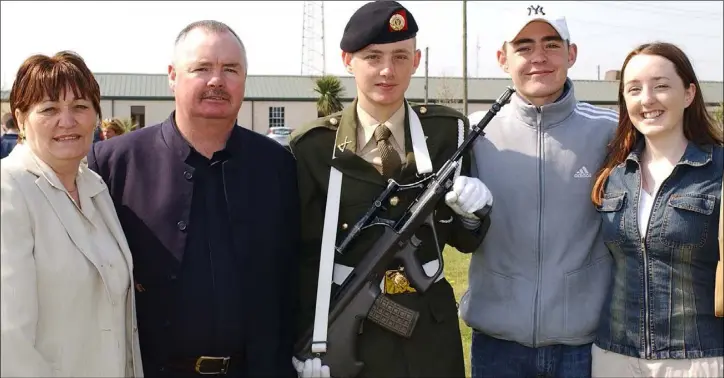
(397, 283)
(222, 364)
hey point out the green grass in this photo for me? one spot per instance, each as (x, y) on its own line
(456, 272)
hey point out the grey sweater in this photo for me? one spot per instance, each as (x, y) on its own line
(541, 275)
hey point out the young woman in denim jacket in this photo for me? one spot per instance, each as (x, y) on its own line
(659, 195)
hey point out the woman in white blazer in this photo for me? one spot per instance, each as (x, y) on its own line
(67, 293)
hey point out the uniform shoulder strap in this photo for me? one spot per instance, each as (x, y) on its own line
(329, 122)
(436, 110)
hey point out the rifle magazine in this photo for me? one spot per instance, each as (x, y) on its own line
(393, 316)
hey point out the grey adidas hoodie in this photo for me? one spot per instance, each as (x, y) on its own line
(541, 275)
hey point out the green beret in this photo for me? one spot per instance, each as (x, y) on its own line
(378, 22)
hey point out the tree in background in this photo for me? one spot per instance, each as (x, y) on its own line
(718, 114)
(448, 93)
(330, 91)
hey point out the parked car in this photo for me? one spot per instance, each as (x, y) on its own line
(280, 134)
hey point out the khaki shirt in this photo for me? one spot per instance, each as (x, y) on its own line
(366, 144)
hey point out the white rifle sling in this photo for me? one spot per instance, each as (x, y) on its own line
(419, 145)
(461, 138)
(326, 262)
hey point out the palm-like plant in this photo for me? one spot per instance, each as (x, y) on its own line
(330, 90)
(128, 124)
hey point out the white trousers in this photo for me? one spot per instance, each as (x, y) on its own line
(610, 364)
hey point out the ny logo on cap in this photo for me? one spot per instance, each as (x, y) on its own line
(536, 10)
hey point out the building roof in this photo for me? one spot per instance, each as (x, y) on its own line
(301, 88)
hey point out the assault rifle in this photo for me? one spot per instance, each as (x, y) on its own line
(359, 296)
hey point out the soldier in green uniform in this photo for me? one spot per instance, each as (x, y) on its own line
(381, 136)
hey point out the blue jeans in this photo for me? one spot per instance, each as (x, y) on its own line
(495, 358)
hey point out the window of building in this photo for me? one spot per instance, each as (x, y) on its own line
(276, 116)
(138, 115)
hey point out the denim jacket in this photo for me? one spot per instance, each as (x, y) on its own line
(661, 301)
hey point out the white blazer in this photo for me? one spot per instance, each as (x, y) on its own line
(57, 309)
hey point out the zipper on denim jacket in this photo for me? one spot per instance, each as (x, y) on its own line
(540, 225)
(647, 320)
(647, 330)
(642, 239)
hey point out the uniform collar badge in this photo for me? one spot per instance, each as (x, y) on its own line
(344, 144)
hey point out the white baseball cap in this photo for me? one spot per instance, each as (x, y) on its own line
(536, 13)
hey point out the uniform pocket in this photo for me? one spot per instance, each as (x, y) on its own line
(442, 305)
(586, 290)
(686, 219)
(611, 211)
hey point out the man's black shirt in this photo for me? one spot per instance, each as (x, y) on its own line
(209, 317)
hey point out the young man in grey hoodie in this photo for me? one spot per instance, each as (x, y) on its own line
(538, 281)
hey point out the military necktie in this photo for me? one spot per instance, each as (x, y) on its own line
(390, 159)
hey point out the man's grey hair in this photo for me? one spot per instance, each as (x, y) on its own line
(212, 26)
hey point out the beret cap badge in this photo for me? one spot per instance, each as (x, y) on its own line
(398, 21)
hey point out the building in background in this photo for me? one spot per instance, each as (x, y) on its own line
(290, 101)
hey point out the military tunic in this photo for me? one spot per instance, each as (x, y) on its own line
(435, 348)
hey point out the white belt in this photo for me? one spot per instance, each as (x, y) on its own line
(342, 271)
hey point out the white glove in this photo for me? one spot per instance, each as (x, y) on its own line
(311, 368)
(468, 195)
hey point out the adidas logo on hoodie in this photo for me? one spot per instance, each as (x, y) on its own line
(582, 173)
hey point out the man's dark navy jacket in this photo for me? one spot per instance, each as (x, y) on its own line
(151, 185)
(7, 143)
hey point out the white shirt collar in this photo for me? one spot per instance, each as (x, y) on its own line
(396, 124)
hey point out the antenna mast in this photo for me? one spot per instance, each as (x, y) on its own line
(313, 46)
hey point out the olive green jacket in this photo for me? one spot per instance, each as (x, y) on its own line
(313, 146)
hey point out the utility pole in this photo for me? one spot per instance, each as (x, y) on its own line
(427, 54)
(598, 69)
(465, 58)
(324, 44)
(477, 57)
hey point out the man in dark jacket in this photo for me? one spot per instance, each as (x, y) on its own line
(10, 136)
(212, 218)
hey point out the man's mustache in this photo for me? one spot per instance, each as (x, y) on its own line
(216, 93)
